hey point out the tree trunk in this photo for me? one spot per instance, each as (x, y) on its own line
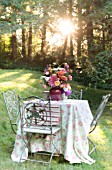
(71, 39)
(71, 48)
(30, 44)
(90, 40)
(80, 33)
(103, 42)
(43, 43)
(23, 42)
(13, 46)
(90, 37)
(0, 42)
(63, 58)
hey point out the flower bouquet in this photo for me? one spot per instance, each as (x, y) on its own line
(58, 76)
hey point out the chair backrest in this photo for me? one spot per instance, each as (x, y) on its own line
(76, 94)
(12, 106)
(38, 112)
(99, 112)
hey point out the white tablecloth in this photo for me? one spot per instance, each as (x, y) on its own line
(72, 142)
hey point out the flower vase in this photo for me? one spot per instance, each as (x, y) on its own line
(55, 93)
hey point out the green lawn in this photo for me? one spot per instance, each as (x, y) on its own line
(26, 83)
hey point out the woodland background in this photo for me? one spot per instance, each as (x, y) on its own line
(28, 28)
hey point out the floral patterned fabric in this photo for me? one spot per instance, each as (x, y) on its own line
(71, 141)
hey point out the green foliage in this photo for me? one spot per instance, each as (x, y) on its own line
(97, 74)
(101, 75)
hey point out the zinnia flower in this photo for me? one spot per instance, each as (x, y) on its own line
(64, 78)
(60, 73)
(53, 78)
(66, 65)
(70, 70)
(70, 77)
(46, 72)
(57, 83)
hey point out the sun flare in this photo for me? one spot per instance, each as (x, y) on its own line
(65, 27)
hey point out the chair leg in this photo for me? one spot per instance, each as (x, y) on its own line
(52, 154)
(39, 161)
(50, 160)
(26, 143)
(94, 146)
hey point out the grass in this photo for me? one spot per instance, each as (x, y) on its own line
(26, 83)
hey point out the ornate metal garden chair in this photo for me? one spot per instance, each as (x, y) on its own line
(12, 106)
(37, 118)
(97, 117)
(76, 94)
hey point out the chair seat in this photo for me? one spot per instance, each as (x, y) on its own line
(41, 129)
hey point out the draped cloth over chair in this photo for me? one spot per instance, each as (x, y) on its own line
(74, 118)
(36, 118)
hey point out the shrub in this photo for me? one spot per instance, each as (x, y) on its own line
(101, 74)
(97, 74)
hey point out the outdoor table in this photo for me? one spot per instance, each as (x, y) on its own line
(74, 117)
